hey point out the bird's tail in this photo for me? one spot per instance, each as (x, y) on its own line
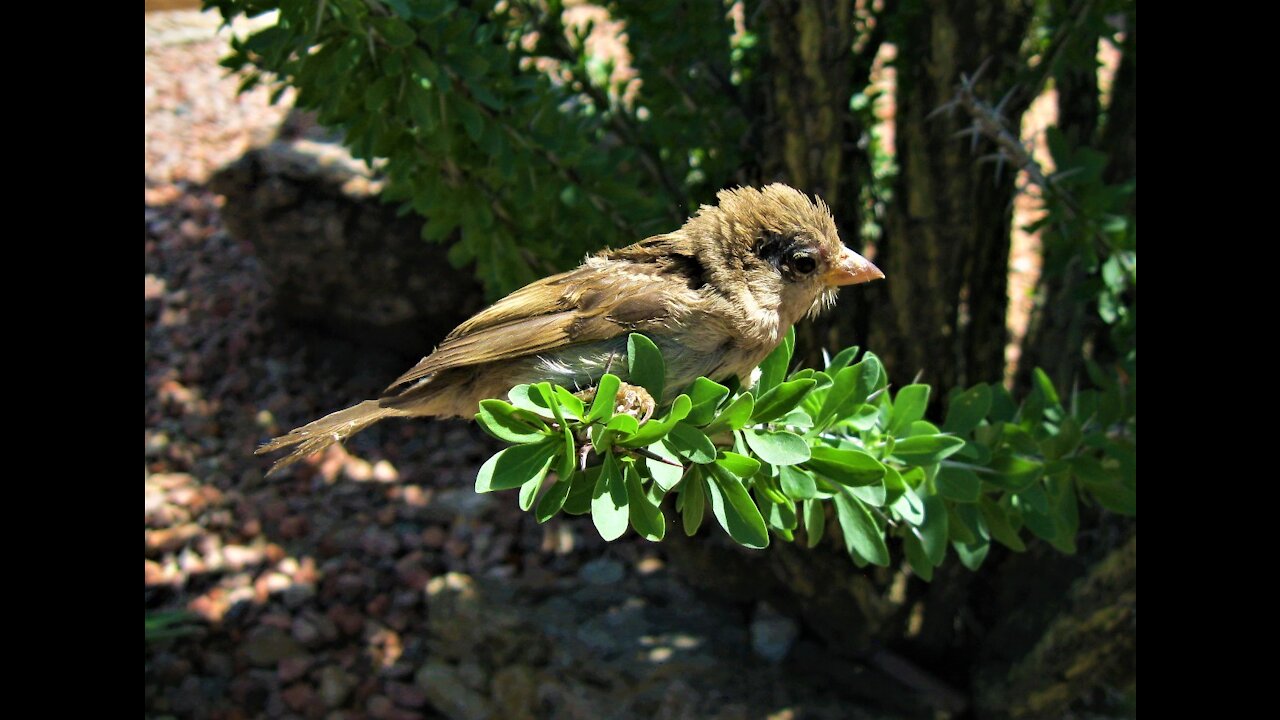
(330, 429)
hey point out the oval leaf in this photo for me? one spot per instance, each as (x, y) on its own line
(645, 366)
(509, 423)
(691, 443)
(609, 501)
(778, 447)
(862, 537)
(781, 399)
(846, 466)
(926, 449)
(734, 509)
(516, 466)
(644, 515)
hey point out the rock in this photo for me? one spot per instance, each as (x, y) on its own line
(298, 696)
(292, 668)
(515, 692)
(447, 693)
(335, 685)
(406, 695)
(602, 571)
(772, 634)
(335, 255)
(268, 648)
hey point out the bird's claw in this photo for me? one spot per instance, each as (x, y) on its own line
(631, 400)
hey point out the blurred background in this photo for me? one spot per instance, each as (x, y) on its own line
(330, 187)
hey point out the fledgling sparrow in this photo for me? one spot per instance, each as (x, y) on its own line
(715, 296)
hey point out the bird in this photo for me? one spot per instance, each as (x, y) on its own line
(716, 296)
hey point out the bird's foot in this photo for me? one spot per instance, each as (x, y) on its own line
(631, 400)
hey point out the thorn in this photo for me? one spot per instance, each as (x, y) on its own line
(999, 108)
(981, 69)
(946, 107)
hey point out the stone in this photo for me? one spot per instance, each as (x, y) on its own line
(772, 634)
(335, 255)
(447, 693)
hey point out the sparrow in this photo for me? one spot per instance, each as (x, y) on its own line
(715, 296)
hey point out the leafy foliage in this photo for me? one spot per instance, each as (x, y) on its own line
(497, 123)
(766, 461)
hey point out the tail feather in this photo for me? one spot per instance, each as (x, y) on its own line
(333, 428)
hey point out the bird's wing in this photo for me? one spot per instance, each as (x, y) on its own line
(589, 304)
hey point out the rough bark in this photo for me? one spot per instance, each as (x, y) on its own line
(1090, 646)
(941, 310)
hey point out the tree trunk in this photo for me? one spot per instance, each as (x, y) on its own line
(945, 253)
(1063, 321)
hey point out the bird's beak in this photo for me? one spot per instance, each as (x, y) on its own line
(850, 269)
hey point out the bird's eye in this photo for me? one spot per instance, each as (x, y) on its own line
(803, 264)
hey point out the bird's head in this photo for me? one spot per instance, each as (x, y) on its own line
(782, 245)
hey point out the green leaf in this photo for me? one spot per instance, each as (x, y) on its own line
(645, 366)
(1003, 408)
(849, 388)
(609, 501)
(917, 556)
(972, 554)
(1105, 484)
(862, 536)
(509, 423)
(570, 403)
(529, 493)
(781, 399)
(691, 444)
(860, 417)
(516, 466)
(766, 485)
(692, 499)
(777, 447)
(873, 494)
(472, 120)
(623, 424)
(847, 466)
(957, 529)
(1046, 388)
(735, 416)
(815, 522)
(933, 532)
(780, 516)
(909, 506)
(395, 31)
(908, 407)
(606, 393)
(554, 499)
(584, 483)
(774, 367)
(797, 418)
(958, 483)
(967, 409)
(526, 397)
(926, 449)
(740, 465)
(1012, 472)
(841, 360)
(998, 525)
(797, 482)
(664, 476)
(706, 396)
(645, 517)
(734, 509)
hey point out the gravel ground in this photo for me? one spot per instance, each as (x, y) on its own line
(373, 582)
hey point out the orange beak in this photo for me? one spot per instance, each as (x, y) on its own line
(850, 269)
